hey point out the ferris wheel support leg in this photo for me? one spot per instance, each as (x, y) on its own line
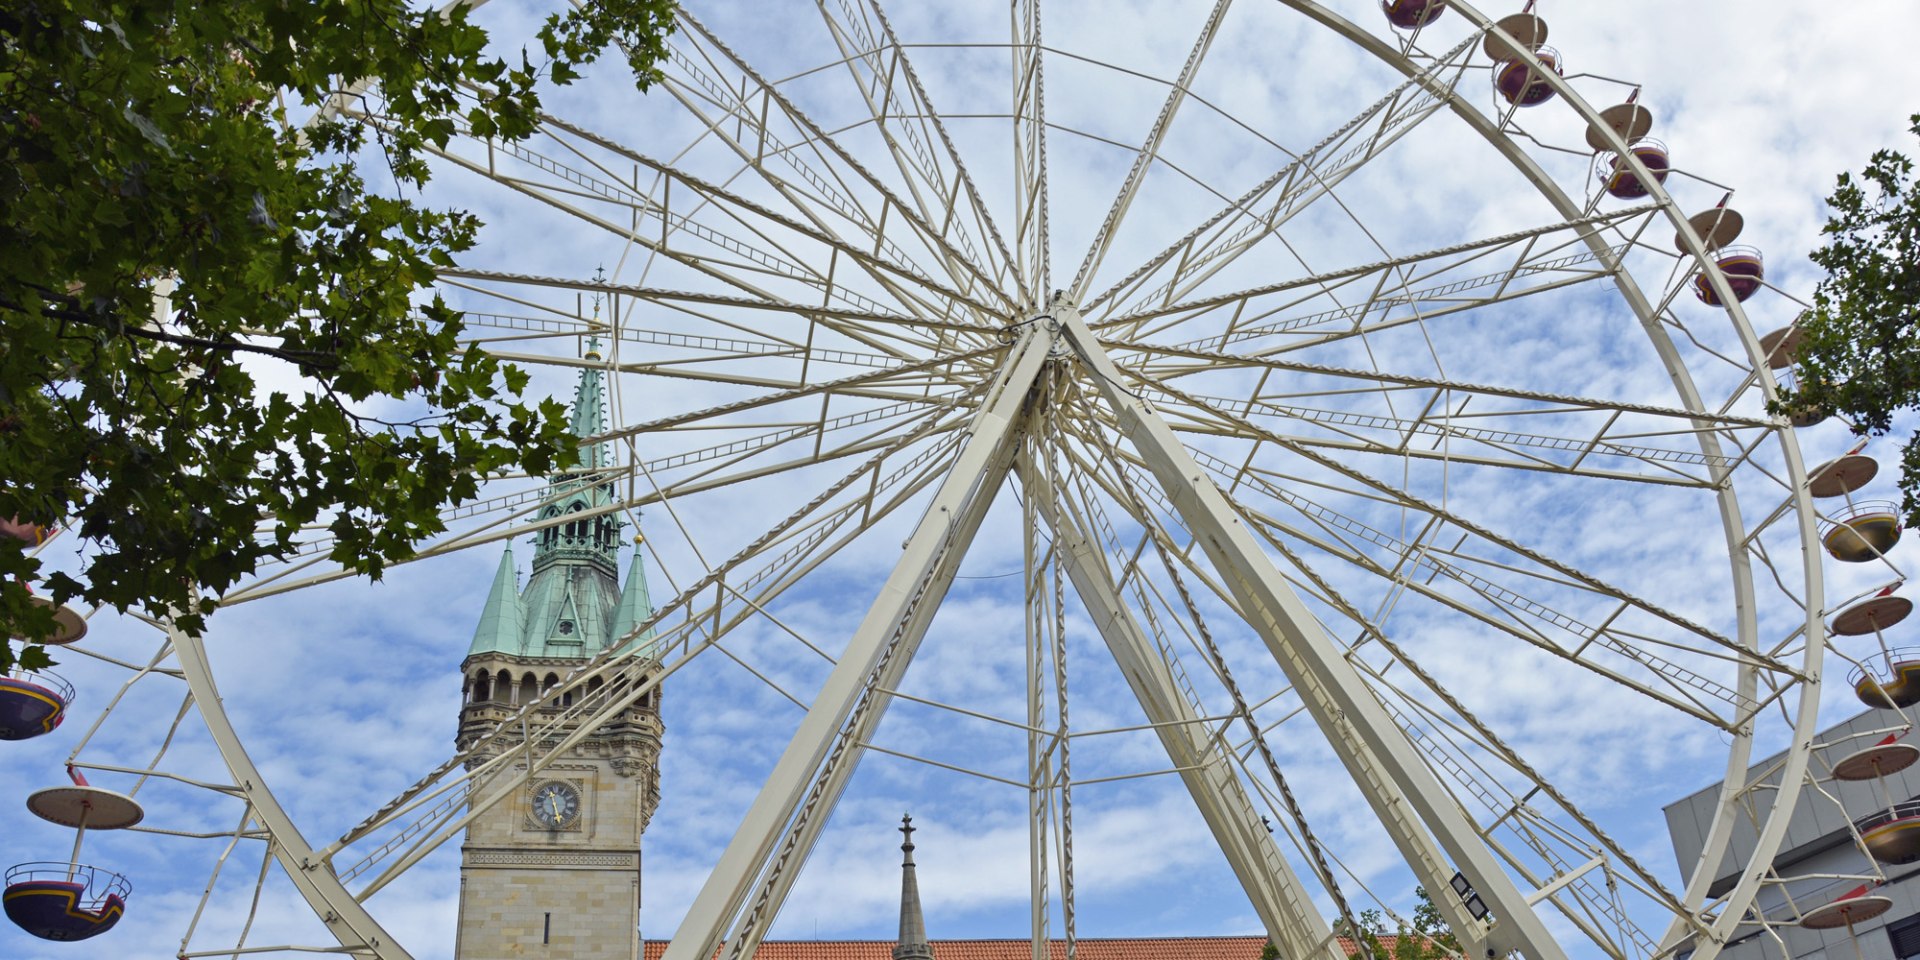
(914, 585)
(1284, 906)
(802, 836)
(1331, 688)
(343, 915)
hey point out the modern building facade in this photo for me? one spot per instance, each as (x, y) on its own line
(1829, 899)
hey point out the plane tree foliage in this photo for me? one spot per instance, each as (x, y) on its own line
(1859, 356)
(1423, 936)
(215, 328)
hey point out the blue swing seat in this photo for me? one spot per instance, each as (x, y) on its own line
(32, 704)
(43, 902)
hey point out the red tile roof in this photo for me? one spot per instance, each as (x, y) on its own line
(1130, 948)
(1137, 948)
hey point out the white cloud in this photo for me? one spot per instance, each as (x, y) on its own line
(346, 693)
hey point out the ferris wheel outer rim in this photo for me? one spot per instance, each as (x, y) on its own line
(1807, 718)
(1797, 754)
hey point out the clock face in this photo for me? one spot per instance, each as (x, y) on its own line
(556, 804)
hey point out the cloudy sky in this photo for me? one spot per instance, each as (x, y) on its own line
(347, 692)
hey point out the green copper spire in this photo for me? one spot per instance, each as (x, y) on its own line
(500, 620)
(590, 413)
(635, 607)
(595, 540)
(572, 607)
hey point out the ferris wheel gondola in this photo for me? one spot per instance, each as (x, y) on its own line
(72, 900)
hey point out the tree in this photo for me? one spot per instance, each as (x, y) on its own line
(1427, 937)
(1859, 356)
(293, 371)
(1431, 933)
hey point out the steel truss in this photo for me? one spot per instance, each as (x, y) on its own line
(1240, 440)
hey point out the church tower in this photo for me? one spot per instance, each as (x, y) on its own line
(554, 870)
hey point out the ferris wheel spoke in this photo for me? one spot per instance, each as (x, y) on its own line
(932, 237)
(1416, 566)
(822, 198)
(675, 299)
(1474, 574)
(600, 200)
(1411, 803)
(797, 340)
(907, 372)
(892, 91)
(506, 516)
(1029, 116)
(1503, 806)
(665, 477)
(1147, 153)
(1427, 306)
(1149, 661)
(1258, 213)
(1512, 804)
(775, 836)
(1475, 563)
(530, 328)
(739, 208)
(1585, 441)
(1391, 494)
(809, 537)
(1370, 381)
(1514, 264)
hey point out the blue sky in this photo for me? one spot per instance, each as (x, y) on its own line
(345, 693)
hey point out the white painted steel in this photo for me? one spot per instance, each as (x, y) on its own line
(893, 290)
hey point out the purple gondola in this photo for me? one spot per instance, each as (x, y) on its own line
(60, 901)
(1413, 14)
(1521, 84)
(32, 704)
(1744, 270)
(1620, 179)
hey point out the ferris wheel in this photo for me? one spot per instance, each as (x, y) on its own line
(1392, 411)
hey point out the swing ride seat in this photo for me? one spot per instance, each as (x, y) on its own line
(1893, 835)
(31, 707)
(1867, 534)
(41, 900)
(1620, 179)
(1899, 687)
(1744, 271)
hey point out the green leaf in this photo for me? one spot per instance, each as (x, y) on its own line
(147, 129)
(157, 157)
